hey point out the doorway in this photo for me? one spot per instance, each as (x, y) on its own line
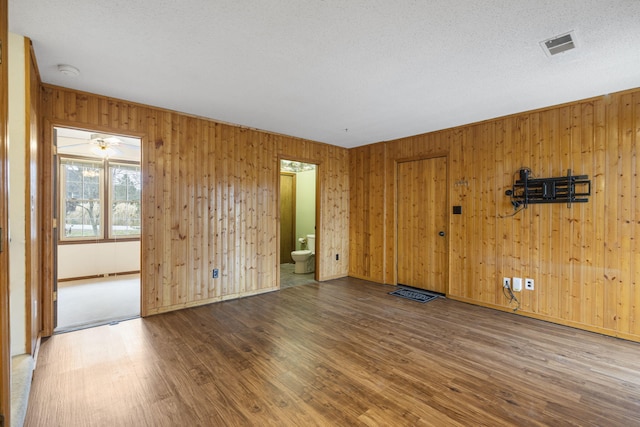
(98, 187)
(298, 187)
(422, 258)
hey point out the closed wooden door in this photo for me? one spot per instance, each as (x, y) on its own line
(287, 216)
(422, 224)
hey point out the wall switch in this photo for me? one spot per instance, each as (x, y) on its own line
(517, 284)
(528, 284)
(506, 282)
(215, 273)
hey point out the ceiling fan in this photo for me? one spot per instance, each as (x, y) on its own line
(104, 145)
(97, 145)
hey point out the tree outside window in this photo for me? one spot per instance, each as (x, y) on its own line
(84, 214)
(82, 198)
(125, 199)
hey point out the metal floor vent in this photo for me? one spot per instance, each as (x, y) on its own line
(559, 44)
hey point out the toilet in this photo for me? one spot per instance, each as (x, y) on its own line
(306, 259)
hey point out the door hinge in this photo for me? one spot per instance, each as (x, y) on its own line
(1, 239)
(55, 296)
(1, 63)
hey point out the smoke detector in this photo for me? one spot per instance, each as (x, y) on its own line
(559, 44)
(68, 70)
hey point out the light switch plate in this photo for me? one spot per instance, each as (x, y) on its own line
(517, 284)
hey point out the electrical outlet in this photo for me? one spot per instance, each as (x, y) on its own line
(215, 273)
(517, 284)
(506, 282)
(528, 284)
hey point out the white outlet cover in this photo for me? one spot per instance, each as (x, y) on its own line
(529, 284)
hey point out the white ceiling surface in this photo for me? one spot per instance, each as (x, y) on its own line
(344, 72)
(78, 142)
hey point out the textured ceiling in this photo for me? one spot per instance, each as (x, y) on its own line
(344, 72)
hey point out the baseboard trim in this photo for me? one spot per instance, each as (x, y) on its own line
(97, 276)
(551, 319)
(335, 276)
(368, 279)
(166, 309)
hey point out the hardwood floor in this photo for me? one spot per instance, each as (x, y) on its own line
(338, 353)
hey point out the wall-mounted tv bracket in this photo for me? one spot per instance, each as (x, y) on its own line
(563, 189)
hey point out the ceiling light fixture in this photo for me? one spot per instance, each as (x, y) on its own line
(103, 145)
(103, 151)
(68, 70)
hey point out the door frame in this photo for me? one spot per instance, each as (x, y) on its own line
(5, 342)
(50, 220)
(293, 234)
(316, 274)
(447, 202)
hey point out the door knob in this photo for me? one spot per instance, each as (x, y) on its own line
(441, 234)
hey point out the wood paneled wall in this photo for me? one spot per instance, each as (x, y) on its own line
(584, 259)
(367, 193)
(210, 198)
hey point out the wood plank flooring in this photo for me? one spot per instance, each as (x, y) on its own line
(337, 353)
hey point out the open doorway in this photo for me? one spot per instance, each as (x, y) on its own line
(98, 187)
(298, 183)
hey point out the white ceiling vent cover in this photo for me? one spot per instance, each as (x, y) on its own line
(559, 44)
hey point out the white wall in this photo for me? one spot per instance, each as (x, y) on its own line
(305, 204)
(82, 260)
(17, 191)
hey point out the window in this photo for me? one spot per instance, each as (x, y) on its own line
(125, 200)
(81, 198)
(85, 184)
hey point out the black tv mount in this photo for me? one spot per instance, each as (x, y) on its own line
(562, 189)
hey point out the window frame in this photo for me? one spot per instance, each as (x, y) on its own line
(63, 198)
(105, 235)
(111, 194)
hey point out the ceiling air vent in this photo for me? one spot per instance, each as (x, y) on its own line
(559, 44)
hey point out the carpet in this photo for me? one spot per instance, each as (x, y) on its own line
(415, 295)
(21, 374)
(92, 302)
